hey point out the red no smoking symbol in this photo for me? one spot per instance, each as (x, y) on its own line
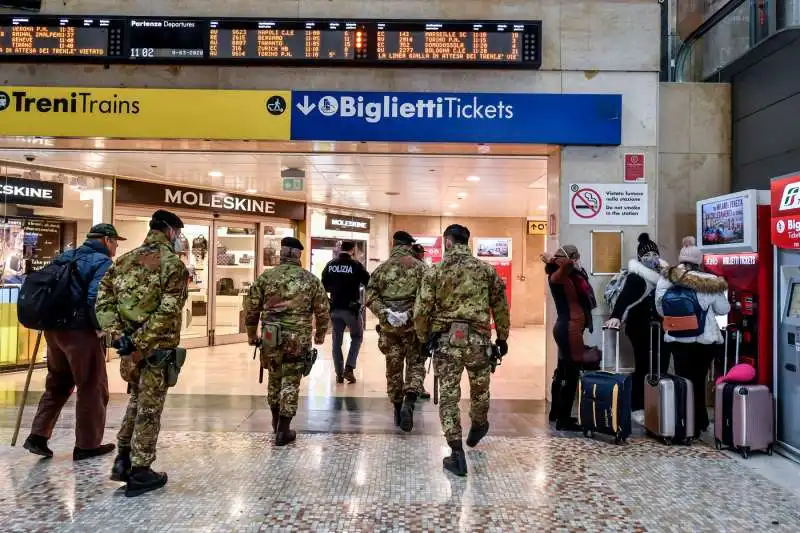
(586, 203)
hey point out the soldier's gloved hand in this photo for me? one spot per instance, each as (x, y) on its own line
(124, 346)
(254, 341)
(502, 346)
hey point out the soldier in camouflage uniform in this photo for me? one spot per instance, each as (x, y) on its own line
(391, 293)
(139, 304)
(419, 253)
(457, 299)
(284, 299)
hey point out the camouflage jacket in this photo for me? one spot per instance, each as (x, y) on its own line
(142, 295)
(461, 288)
(394, 285)
(288, 295)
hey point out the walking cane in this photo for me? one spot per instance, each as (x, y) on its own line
(25, 390)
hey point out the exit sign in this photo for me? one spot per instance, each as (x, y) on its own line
(292, 184)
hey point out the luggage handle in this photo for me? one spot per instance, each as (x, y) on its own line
(603, 350)
(657, 326)
(738, 336)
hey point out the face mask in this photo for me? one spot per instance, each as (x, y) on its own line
(651, 262)
(578, 265)
(177, 242)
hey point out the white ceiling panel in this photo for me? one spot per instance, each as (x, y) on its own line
(427, 184)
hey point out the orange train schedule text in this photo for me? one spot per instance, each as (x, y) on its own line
(57, 41)
(448, 46)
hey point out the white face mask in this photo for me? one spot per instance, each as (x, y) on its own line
(177, 242)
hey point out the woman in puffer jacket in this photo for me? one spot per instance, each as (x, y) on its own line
(693, 355)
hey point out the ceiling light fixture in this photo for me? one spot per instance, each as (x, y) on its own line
(453, 206)
(542, 207)
(364, 204)
(461, 195)
(108, 188)
(447, 214)
(343, 176)
(251, 191)
(215, 174)
(473, 178)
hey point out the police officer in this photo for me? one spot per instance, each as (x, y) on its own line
(343, 278)
(139, 304)
(286, 298)
(456, 301)
(390, 296)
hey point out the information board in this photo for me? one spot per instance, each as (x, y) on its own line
(251, 41)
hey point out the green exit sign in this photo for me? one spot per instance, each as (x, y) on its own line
(292, 184)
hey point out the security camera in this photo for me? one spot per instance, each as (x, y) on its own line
(30, 158)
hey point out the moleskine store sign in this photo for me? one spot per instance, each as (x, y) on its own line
(346, 223)
(144, 193)
(31, 192)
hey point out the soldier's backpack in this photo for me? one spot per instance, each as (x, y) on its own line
(46, 301)
(614, 289)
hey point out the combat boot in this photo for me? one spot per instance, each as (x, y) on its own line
(285, 435)
(476, 433)
(457, 462)
(276, 413)
(407, 412)
(143, 479)
(398, 406)
(122, 465)
(36, 444)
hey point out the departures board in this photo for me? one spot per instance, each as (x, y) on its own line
(289, 42)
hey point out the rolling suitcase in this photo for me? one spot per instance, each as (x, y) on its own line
(743, 415)
(604, 400)
(668, 402)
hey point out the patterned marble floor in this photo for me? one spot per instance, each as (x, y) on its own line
(225, 481)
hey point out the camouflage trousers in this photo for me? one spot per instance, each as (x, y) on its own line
(142, 421)
(402, 350)
(450, 363)
(283, 387)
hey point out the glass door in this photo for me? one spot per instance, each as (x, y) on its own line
(234, 273)
(195, 325)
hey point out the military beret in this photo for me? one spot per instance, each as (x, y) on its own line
(165, 217)
(291, 242)
(403, 237)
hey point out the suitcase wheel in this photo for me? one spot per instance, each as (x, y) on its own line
(746, 452)
(718, 444)
(769, 450)
(668, 441)
(588, 433)
(619, 440)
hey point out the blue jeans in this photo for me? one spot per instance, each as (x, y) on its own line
(343, 318)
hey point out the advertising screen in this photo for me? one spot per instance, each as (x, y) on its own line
(794, 301)
(727, 224)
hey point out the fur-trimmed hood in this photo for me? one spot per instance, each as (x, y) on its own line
(701, 282)
(648, 275)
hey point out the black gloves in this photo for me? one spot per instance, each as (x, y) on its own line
(502, 346)
(124, 345)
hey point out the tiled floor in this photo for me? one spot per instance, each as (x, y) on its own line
(351, 470)
(231, 370)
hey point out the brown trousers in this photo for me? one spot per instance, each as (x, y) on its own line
(75, 358)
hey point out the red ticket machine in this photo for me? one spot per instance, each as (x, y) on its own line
(734, 233)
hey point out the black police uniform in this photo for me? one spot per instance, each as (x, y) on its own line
(343, 278)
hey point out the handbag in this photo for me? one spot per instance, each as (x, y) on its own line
(589, 359)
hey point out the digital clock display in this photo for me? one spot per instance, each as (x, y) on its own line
(166, 39)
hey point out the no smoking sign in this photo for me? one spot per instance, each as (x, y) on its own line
(586, 202)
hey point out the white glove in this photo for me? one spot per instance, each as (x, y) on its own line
(396, 319)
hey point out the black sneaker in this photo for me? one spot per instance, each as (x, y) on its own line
(142, 479)
(571, 424)
(456, 463)
(285, 435)
(79, 454)
(339, 379)
(121, 470)
(476, 433)
(349, 376)
(37, 445)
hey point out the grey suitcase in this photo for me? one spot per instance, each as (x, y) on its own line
(744, 415)
(668, 402)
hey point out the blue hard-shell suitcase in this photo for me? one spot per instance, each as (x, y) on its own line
(604, 400)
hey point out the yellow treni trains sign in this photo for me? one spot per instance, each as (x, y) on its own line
(145, 113)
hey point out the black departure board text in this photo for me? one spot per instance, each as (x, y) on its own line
(59, 37)
(456, 43)
(162, 38)
(285, 42)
